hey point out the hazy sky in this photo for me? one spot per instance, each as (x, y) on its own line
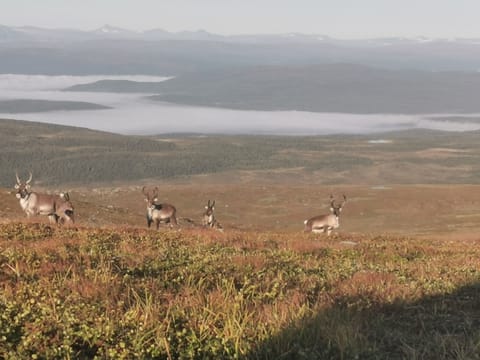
(339, 18)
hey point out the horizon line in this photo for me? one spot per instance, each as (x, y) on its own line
(286, 33)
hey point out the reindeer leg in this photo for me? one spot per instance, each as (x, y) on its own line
(53, 218)
(318, 230)
(218, 226)
(69, 215)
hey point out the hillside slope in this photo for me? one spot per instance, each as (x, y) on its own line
(59, 155)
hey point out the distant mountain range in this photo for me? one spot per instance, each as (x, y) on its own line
(31, 33)
(111, 50)
(264, 72)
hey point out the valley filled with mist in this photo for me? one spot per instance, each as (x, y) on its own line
(199, 82)
(172, 106)
(109, 103)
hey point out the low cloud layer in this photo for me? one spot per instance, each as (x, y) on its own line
(133, 114)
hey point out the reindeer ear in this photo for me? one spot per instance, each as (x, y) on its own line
(332, 209)
(27, 186)
(206, 207)
(16, 186)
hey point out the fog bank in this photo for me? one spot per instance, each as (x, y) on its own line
(133, 114)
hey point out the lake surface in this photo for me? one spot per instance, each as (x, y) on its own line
(133, 114)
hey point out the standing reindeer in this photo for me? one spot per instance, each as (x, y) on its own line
(158, 212)
(326, 223)
(56, 207)
(209, 219)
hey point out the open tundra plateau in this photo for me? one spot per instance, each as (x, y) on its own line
(398, 279)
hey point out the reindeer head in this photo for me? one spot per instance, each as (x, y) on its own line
(208, 217)
(23, 188)
(209, 208)
(337, 208)
(150, 199)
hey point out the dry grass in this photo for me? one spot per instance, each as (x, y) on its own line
(399, 280)
(125, 292)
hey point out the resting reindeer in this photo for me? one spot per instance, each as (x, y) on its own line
(56, 207)
(209, 219)
(158, 212)
(326, 223)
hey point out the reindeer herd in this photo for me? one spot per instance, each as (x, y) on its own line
(59, 209)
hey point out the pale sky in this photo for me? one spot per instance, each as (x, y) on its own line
(337, 18)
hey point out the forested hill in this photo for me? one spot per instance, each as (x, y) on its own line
(68, 155)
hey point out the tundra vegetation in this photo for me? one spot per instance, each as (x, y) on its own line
(108, 291)
(61, 155)
(124, 293)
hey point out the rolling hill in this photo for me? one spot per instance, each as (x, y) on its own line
(68, 155)
(341, 88)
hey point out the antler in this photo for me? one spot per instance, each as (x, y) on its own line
(143, 191)
(155, 191)
(332, 201)
(29, 179)
(208, 203)
(18, 179)
(213, 204)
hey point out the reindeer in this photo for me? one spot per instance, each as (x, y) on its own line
(325, 223)
(209, 219)
(158, 212)
(56, 207)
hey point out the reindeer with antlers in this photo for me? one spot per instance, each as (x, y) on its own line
(209, 219)
(56, 207)
(157, 212)
(328, 222)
